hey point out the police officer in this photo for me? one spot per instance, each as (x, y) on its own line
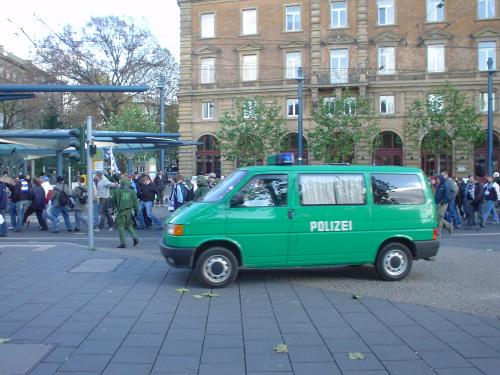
(124, 200)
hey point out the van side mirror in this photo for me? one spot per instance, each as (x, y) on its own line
(237, 200)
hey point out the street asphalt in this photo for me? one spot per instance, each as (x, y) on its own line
(67, 310)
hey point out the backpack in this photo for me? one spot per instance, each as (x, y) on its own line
(82, 196)
(453, 187)
(190, 194)
(63, 198)
(185, 192)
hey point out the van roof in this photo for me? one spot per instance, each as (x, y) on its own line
(333, 168)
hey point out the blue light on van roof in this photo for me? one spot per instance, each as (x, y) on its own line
(284, 158)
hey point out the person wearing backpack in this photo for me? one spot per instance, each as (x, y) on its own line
(60, 198)
(37, 206)
(452, 212)
(20, 194)
(80, 198)
(490, 198)
(147, 198)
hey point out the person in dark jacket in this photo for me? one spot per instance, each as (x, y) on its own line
(59, 197)
(20, 194)
(37, 196)
(161, 183)
(3, 206)
(203, 188)
(443, 197)
(148, 192)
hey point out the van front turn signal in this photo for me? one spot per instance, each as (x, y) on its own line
(175, 229)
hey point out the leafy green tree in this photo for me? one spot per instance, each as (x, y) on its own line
(343, 123)
(252, 131)
(444, 114)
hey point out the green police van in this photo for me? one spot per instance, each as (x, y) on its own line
(304, 216)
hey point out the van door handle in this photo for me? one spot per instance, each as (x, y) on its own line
(291, 213)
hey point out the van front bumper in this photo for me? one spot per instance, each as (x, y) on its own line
(179, 257)
(426, 249)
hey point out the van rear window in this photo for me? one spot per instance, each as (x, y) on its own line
(397, 189)
(331, 189)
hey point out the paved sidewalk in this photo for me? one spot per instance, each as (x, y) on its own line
(71, 311)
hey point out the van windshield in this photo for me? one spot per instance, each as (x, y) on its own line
(225, 186)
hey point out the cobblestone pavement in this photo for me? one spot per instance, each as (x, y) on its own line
(67, 311)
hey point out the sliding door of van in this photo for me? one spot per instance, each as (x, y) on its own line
(257, 220)
(331, 219)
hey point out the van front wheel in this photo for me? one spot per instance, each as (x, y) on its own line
(394, 261)
(216, 267)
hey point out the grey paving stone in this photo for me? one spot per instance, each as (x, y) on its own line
(118, 321)
(454, 337)
(393, 352)
(222, 368)
(158, 328)
(483, 330)
(223, 341)
(475, 349)
(303, 339)
(223, 328)
(193, 347)
(143, 339)
(261, 334)
(32, 333)
(442, 325)
(260, 346)
(155, 317)
(347, 345)
(176, 364)
(128, 369)
(428, 343)
(388, 338)
(185, 334)
(411, 331)
(337, 333)
(489, 366)
(309, 354)
(367, 364)
(251, 323)
(45, 369)
(493, 342)
(325, 368)
(417, 367)
(92, 362)
(75, 327)
(66, 339)
(98, 347)
(222, 355)
(135, 355)
(458, 371)
(267, 362)
(444, 359)
(87, 317)
(287, 327)
(189, 323)
(60, 354)
(371, 372)
(109, 333)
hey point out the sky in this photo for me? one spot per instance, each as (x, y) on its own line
(20, 22)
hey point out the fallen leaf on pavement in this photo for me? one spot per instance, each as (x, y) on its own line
(281, 348)
(197, 296)
(356, 296)
(210, 294)
(182, 290)
(3, 341)
(356, 355)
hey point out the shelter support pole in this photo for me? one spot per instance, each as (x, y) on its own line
(90, 185)
(162, 120)
(490, 116)
(32, 167)
(25, 166)
(59, 162)
(129, 166)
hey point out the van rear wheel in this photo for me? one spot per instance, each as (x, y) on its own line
(216, 267)
(394, 261)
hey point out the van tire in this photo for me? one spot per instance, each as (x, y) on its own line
(216, 267)
(394, 261)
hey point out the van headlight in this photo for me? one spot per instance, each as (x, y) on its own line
(175, 229)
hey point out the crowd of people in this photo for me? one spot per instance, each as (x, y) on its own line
(114, 205)
(466, 202)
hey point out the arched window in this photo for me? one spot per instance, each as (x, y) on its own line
(208, 156)
(291, 144)
(436, 153)
(481, 156)
(389, 150)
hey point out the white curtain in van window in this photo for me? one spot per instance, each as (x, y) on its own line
(330, 189)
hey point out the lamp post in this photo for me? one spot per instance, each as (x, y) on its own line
(490, 116)
(300, 79)
(162, 120)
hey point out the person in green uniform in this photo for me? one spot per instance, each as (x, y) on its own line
(203, 187)
(124, 200)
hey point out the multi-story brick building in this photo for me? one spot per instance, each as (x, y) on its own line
(393, 51)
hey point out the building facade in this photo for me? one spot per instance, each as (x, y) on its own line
(392, 51)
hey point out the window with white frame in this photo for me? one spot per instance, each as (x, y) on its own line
(249, 107)
(292, 18)
(207, 110)
(249, 67)
(249, 21)
(338, 14)
(207, 70)
(385, 10)
(484, 102)
(292, 63)
(350, 105)
(208, 25)
(435, 10)
(485, 9)
(292, 107)
(339, 65)
(486, 50)
(386, 60)
(435, 58)
(387, 105)
(435, 103)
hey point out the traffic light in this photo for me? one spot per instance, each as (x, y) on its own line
(77, 140)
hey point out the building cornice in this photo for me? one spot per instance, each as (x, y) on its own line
(207, 50)
(248, 47)
(388, 37)
(486, 32)
(293, 44)
(338, 38)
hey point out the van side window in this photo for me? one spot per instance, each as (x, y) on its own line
(397, 189)
(331, 189)
(266, 191)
